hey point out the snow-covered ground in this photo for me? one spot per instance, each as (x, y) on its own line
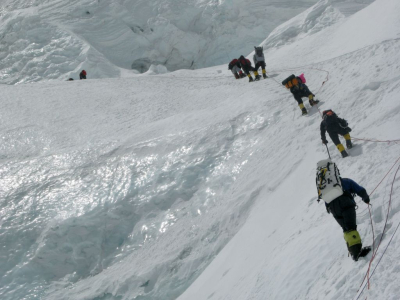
(195, 185)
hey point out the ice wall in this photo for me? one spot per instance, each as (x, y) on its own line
(55, 39)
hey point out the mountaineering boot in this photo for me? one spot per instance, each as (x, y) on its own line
(347, 137)
(355, 251)
(364, 252)
(258, 77)
(264, 74)
(237, 76)
(250, 78)
(303, 109)
(241, 74)
(311, 100)
(342, 150)
(353, 242)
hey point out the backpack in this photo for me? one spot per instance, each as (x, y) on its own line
(258, 55)
(331, 117)
(232, 63)
(259, 51)
(291, 81)
(244, 61)
(328, 182)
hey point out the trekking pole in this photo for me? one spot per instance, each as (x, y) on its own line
(328, 151)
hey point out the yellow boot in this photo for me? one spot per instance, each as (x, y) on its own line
(264, 74)
(303, 109)
(342, 150)
(353, 242)
(347, 137)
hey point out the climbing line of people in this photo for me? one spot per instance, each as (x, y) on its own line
(242, 67)
(336, 192)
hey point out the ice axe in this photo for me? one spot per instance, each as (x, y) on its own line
(327, 150)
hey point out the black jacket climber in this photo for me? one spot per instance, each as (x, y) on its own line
(335, 126)
(299, 89)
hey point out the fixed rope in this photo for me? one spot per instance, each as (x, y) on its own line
(375, 141)
(380, 241)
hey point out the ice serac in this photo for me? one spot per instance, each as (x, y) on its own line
(55, 39)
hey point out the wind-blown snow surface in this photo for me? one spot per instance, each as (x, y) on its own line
(55, 39)
(129, 188)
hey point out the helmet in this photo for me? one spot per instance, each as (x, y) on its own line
(327, 113)
(258, 50)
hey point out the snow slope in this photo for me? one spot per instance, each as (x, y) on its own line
(289, 248)
(55, 39)
(135, 188)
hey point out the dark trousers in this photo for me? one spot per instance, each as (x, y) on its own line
(335, 135)
(247, 69)
(301, 92)
(260, 64)
(343, 209)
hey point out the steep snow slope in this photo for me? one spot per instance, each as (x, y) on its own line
(290, 248)
(55, 39)
(129, 188)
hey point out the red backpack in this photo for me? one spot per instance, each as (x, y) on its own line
(232, 63)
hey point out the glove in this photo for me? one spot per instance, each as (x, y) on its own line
(366, 199)
(327, 210)
(324, 142)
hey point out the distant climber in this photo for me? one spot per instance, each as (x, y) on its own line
(234, 66)
(245, 64)
(297, 87)
(82, 74)
(337, 194)
(335, 126)
(259, 61)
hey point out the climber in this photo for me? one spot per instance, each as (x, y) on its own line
(297, 87)
(259, 61)
(337, 194)
(245, 64)
(82, 75)
(334, 125)
(234, 66)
